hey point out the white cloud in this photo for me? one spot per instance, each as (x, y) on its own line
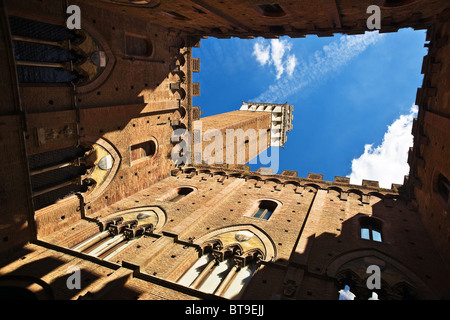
(275, 53)
(323, 62)
(291, 63)
(387, 163)
(261, 52)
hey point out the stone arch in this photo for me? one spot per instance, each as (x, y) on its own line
(337, 189)
(334, 192)
(233, 248)
(268, 247)
(291, 185)
(257, 178)
(180, 113)
(102, 173)
(355, 192)
(376, 197)
(211, 245)
(153, 214)
(292, 182)
(181, 92)
(277, 181)
(105, 68)
(376, 194)
(374, 256)
(311, 187)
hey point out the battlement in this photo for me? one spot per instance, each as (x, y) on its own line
(290, 177)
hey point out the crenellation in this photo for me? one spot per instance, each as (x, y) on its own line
(262, 175)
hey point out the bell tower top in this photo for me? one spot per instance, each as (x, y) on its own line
(281, 122)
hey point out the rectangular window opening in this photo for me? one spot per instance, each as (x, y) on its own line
(365, 233)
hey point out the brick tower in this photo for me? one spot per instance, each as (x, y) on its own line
(237, 137)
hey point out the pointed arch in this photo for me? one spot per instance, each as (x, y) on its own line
(336, 264)
(267, 246)
(103, 71)
(101, 173)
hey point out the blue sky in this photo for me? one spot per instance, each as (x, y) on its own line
(353, 97)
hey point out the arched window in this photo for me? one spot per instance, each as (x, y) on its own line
(443, 188)
(371, 230)
(265, 209)
(181, 193)
(40, 52)
(138, 46)
(143, 150)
